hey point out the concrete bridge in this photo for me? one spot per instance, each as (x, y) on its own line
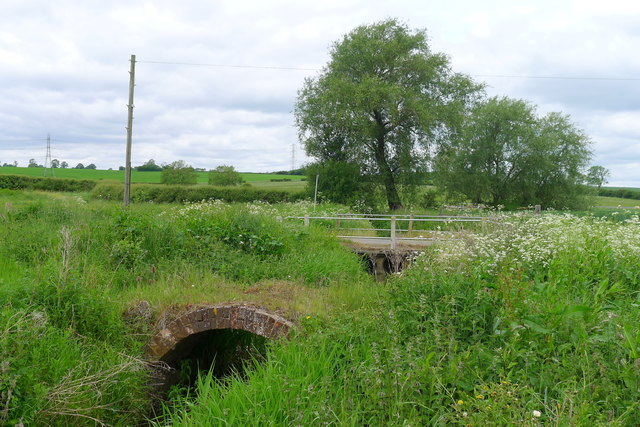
(389, 250)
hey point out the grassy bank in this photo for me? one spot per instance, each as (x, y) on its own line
(69, 269)
(532, 320)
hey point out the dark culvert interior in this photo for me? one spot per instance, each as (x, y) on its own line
(222, 352)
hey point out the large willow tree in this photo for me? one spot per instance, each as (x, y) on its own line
(505, 153)
(381, 102)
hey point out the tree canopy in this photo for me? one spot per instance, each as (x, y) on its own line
(149, 166)
(225, 175)
(505, 153)
(598, 176)
(381, 103)
(178, 172)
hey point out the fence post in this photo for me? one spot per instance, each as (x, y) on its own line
(306, 220)
(393, 233)
(537, 210)
(410, 227)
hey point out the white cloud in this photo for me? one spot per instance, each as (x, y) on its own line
(63, 70)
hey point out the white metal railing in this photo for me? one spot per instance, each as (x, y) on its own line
(394, 220)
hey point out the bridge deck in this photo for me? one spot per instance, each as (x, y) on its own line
(370, 244)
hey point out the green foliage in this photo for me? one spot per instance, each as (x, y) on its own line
(181, 194)
(339, 182)
(381, 102)
(598, 175)
(240, 230)
(530, 320)
(624, 193)
(506, 154)
(179, 173)
(18, 182)
(225, 176)
(149, 166)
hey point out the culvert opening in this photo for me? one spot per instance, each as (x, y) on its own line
(222, 352)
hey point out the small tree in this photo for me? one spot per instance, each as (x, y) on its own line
(79, 166)
(149, 166)
(598, 176)
(55, 163)
(32, 164)
(91, 166)
(225, 175)
(178, 172)
(64, 165)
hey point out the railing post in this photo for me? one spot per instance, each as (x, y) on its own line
(393, 233)
(410, 227)
(306, 220)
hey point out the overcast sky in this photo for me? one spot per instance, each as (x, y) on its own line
(64, 72)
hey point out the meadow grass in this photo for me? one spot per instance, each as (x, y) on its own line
(616, 202)
(528, 320)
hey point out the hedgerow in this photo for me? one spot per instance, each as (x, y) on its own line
(182, 194)
(18, 182)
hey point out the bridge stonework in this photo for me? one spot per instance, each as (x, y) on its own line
(211, 317)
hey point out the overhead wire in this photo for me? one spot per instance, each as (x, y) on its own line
(268, 67)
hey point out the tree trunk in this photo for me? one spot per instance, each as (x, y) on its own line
(380, 155)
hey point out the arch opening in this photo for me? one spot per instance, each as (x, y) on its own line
(222, 352)
(221, 339)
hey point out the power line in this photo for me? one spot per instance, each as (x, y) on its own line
(505, 76)
(512, 76)
(259, 67)
(22, 140)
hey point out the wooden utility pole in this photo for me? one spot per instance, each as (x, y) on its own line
(127, 166)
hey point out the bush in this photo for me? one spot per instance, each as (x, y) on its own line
(179, 173)
(180, 194)
(338, 182)
(623, 193)
(18, 182)
(224, 176)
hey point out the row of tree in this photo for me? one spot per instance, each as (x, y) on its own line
(179, 172)
(55, 164)
(386, 111)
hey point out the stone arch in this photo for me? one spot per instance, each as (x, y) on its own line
(215, 317)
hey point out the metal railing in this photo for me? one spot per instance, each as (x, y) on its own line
(394, 229)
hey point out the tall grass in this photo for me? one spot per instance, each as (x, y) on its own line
(534, 322)
(69, 269)
(526, 321)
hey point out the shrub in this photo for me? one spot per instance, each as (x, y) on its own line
(180, 173)
(181, 194)
(225, 176)
(18, 182)
(624, 193)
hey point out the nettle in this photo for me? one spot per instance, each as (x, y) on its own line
(238, 227)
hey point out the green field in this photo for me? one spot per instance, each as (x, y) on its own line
(615, 202)
(136, 177)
